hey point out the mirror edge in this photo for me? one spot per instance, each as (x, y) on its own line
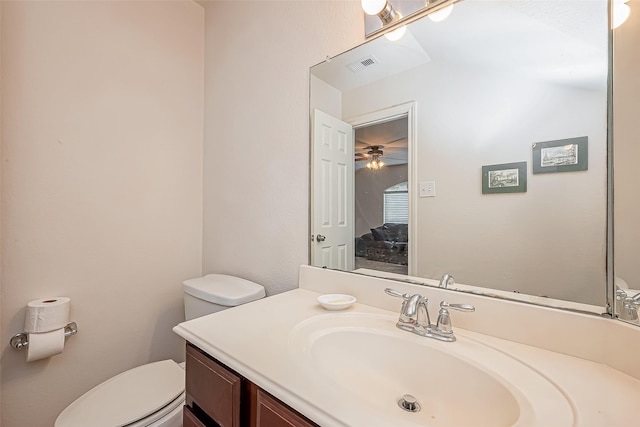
(610, 267)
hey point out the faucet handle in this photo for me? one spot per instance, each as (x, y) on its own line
(395, 293)
(460, 307)
(443, 325)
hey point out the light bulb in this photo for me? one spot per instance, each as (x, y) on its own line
(373, 7)
(396, 34)
(442, 14)
(621, 12)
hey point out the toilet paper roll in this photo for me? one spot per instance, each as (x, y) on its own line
(45, 344)
(44, 315)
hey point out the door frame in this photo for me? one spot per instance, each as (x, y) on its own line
(409, 110)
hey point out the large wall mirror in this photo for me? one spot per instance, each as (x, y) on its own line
(491, 127)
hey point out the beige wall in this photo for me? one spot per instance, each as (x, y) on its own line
(256, 186)
(101, 186)
(626, 87)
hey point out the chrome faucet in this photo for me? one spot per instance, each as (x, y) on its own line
(414, 316)
(446, 281)
(626, 306)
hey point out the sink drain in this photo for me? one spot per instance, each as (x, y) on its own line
(409, 403)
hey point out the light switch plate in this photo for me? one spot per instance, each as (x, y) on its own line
(427, 189)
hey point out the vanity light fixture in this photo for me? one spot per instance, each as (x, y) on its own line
(396, 35)
(381, 15)
(621, 12)
(387, 14)
(381, 8)
(442, 14)
(375, 163)
(439, 15)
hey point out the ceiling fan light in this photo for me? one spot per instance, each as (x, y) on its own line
(375, 163)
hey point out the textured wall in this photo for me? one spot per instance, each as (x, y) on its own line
(101, 186)
(256, 186)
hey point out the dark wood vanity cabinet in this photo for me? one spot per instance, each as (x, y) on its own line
(219, 397)
(189, 419)
(212, 389)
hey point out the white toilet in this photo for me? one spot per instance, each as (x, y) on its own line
(152, 395)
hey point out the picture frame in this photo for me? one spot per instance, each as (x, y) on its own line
(562, 155)
(504, 178)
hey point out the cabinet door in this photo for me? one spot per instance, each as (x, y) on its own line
(213, 388)
(270, 412)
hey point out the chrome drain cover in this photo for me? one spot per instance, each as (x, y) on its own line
(409, 403)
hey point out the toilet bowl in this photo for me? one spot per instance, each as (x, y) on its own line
(152, 395)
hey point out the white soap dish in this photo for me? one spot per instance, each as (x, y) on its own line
(336, 301)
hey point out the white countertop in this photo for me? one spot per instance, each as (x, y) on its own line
(254, 340)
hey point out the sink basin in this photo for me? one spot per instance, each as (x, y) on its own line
(369, 365)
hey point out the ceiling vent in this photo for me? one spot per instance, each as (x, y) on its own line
(363, 63)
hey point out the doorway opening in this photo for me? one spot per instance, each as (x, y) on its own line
(381, 193)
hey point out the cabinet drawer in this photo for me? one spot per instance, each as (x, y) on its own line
(213, 388)
(270, 412)
(189, 419)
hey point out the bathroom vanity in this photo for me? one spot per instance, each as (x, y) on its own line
(470, 99)
(287, 358)
(217, 395)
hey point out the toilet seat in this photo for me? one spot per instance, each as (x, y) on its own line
(136, 397)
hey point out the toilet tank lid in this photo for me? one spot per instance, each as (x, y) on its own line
(223, 289)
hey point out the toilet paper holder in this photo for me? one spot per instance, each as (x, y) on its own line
(20, 341)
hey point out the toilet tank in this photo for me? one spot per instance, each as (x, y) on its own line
(215, 292)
